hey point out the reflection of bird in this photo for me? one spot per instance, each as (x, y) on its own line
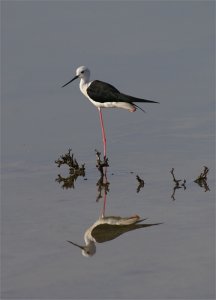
(102, 94)
(108, 228)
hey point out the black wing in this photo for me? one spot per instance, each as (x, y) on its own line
(100, 91)
(107, 232)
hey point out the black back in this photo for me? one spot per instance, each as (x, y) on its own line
(100, 91)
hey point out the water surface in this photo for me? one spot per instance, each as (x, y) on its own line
(43, 43)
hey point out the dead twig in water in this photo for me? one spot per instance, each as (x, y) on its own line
(178, 184)
(202, 179)
(141, 183)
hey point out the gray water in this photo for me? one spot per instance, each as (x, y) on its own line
(162, 51)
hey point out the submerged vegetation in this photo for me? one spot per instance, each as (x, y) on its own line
(78, 170)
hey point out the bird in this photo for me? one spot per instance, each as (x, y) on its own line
(105, 95)
(107, 229)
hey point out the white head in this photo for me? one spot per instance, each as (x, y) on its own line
(88, 250)
(82, 73)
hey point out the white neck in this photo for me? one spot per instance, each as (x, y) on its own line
(84, 84)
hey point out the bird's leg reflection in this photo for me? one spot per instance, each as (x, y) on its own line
(101, 164)
(103, 184)
(103, 188)
(108, 228)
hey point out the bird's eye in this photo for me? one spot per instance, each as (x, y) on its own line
(82, 72)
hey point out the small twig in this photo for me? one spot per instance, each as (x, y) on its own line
(184, 184)
(203, 175)
(141, 183)
(174, 190)
(177, 184)
(202, 179)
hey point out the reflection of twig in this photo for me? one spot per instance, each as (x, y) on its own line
(68, 182)
(177, 184)
(141, 183)
(202, 179)
(75, 170)
(103, 185)
(101, 163)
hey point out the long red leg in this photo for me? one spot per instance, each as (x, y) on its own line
(103, 131)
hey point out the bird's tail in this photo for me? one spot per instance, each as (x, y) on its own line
(130, 99)
(136, 106)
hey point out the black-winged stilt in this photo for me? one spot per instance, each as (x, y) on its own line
(104, 95)
(107, 229)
